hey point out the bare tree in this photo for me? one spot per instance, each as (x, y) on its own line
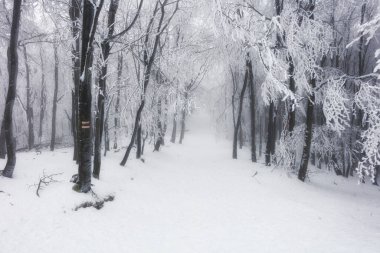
(11, 95)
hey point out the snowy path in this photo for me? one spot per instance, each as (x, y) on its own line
(186, 198)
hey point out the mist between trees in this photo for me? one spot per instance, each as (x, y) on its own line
(295, 81)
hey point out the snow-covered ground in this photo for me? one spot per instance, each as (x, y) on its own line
(186, 198)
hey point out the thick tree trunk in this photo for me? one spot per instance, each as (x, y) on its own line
(302, 173)
(238, 121)
(55, 100)
(29, 106)
(253, 112)
(11, 94)
(85, 142)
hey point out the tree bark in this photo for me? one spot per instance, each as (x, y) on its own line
(3, 147)
(174, 129)
(270, 148)
(55, 100)
(89, 24)
(11, 94)
(139, 142)
(253, 112)
(292, 88)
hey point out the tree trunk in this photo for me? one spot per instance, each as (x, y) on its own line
(261, 135)
(253, 112)
(55, 99)
(139, 142)
(29, 106)
(183, 126)
(11, 94)
(292, 87)
(241, 135)
(269, 151)
(238, 121)
(134, 133)
(183, 119)
(3, 147)
(174, 130)
(85, 142)
(308, 135)
(42, 98)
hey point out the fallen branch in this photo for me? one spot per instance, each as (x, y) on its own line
(96, 204)
(45, 180)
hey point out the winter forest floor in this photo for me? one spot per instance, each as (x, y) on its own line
(186, 198)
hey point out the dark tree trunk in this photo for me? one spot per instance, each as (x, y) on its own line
(42, 99)
(302, 173)
(75, 12)
(174, 130)
(269, 151)
(183, 118)
(11, 94)
(106, 135)
(183, 126)
(102, 88)
(117, 104)
(238, 121)
(139, 142)
(292, 87)
(241, 136)
(55, 100)
(377, 175)
(3, 147)
(134, 133)
(261, 136)
(308, 135)
(89, 24)
(29, 106)
(253, 112)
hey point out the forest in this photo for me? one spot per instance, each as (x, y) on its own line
(183, 125)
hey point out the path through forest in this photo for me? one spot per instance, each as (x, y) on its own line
(186, 198)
